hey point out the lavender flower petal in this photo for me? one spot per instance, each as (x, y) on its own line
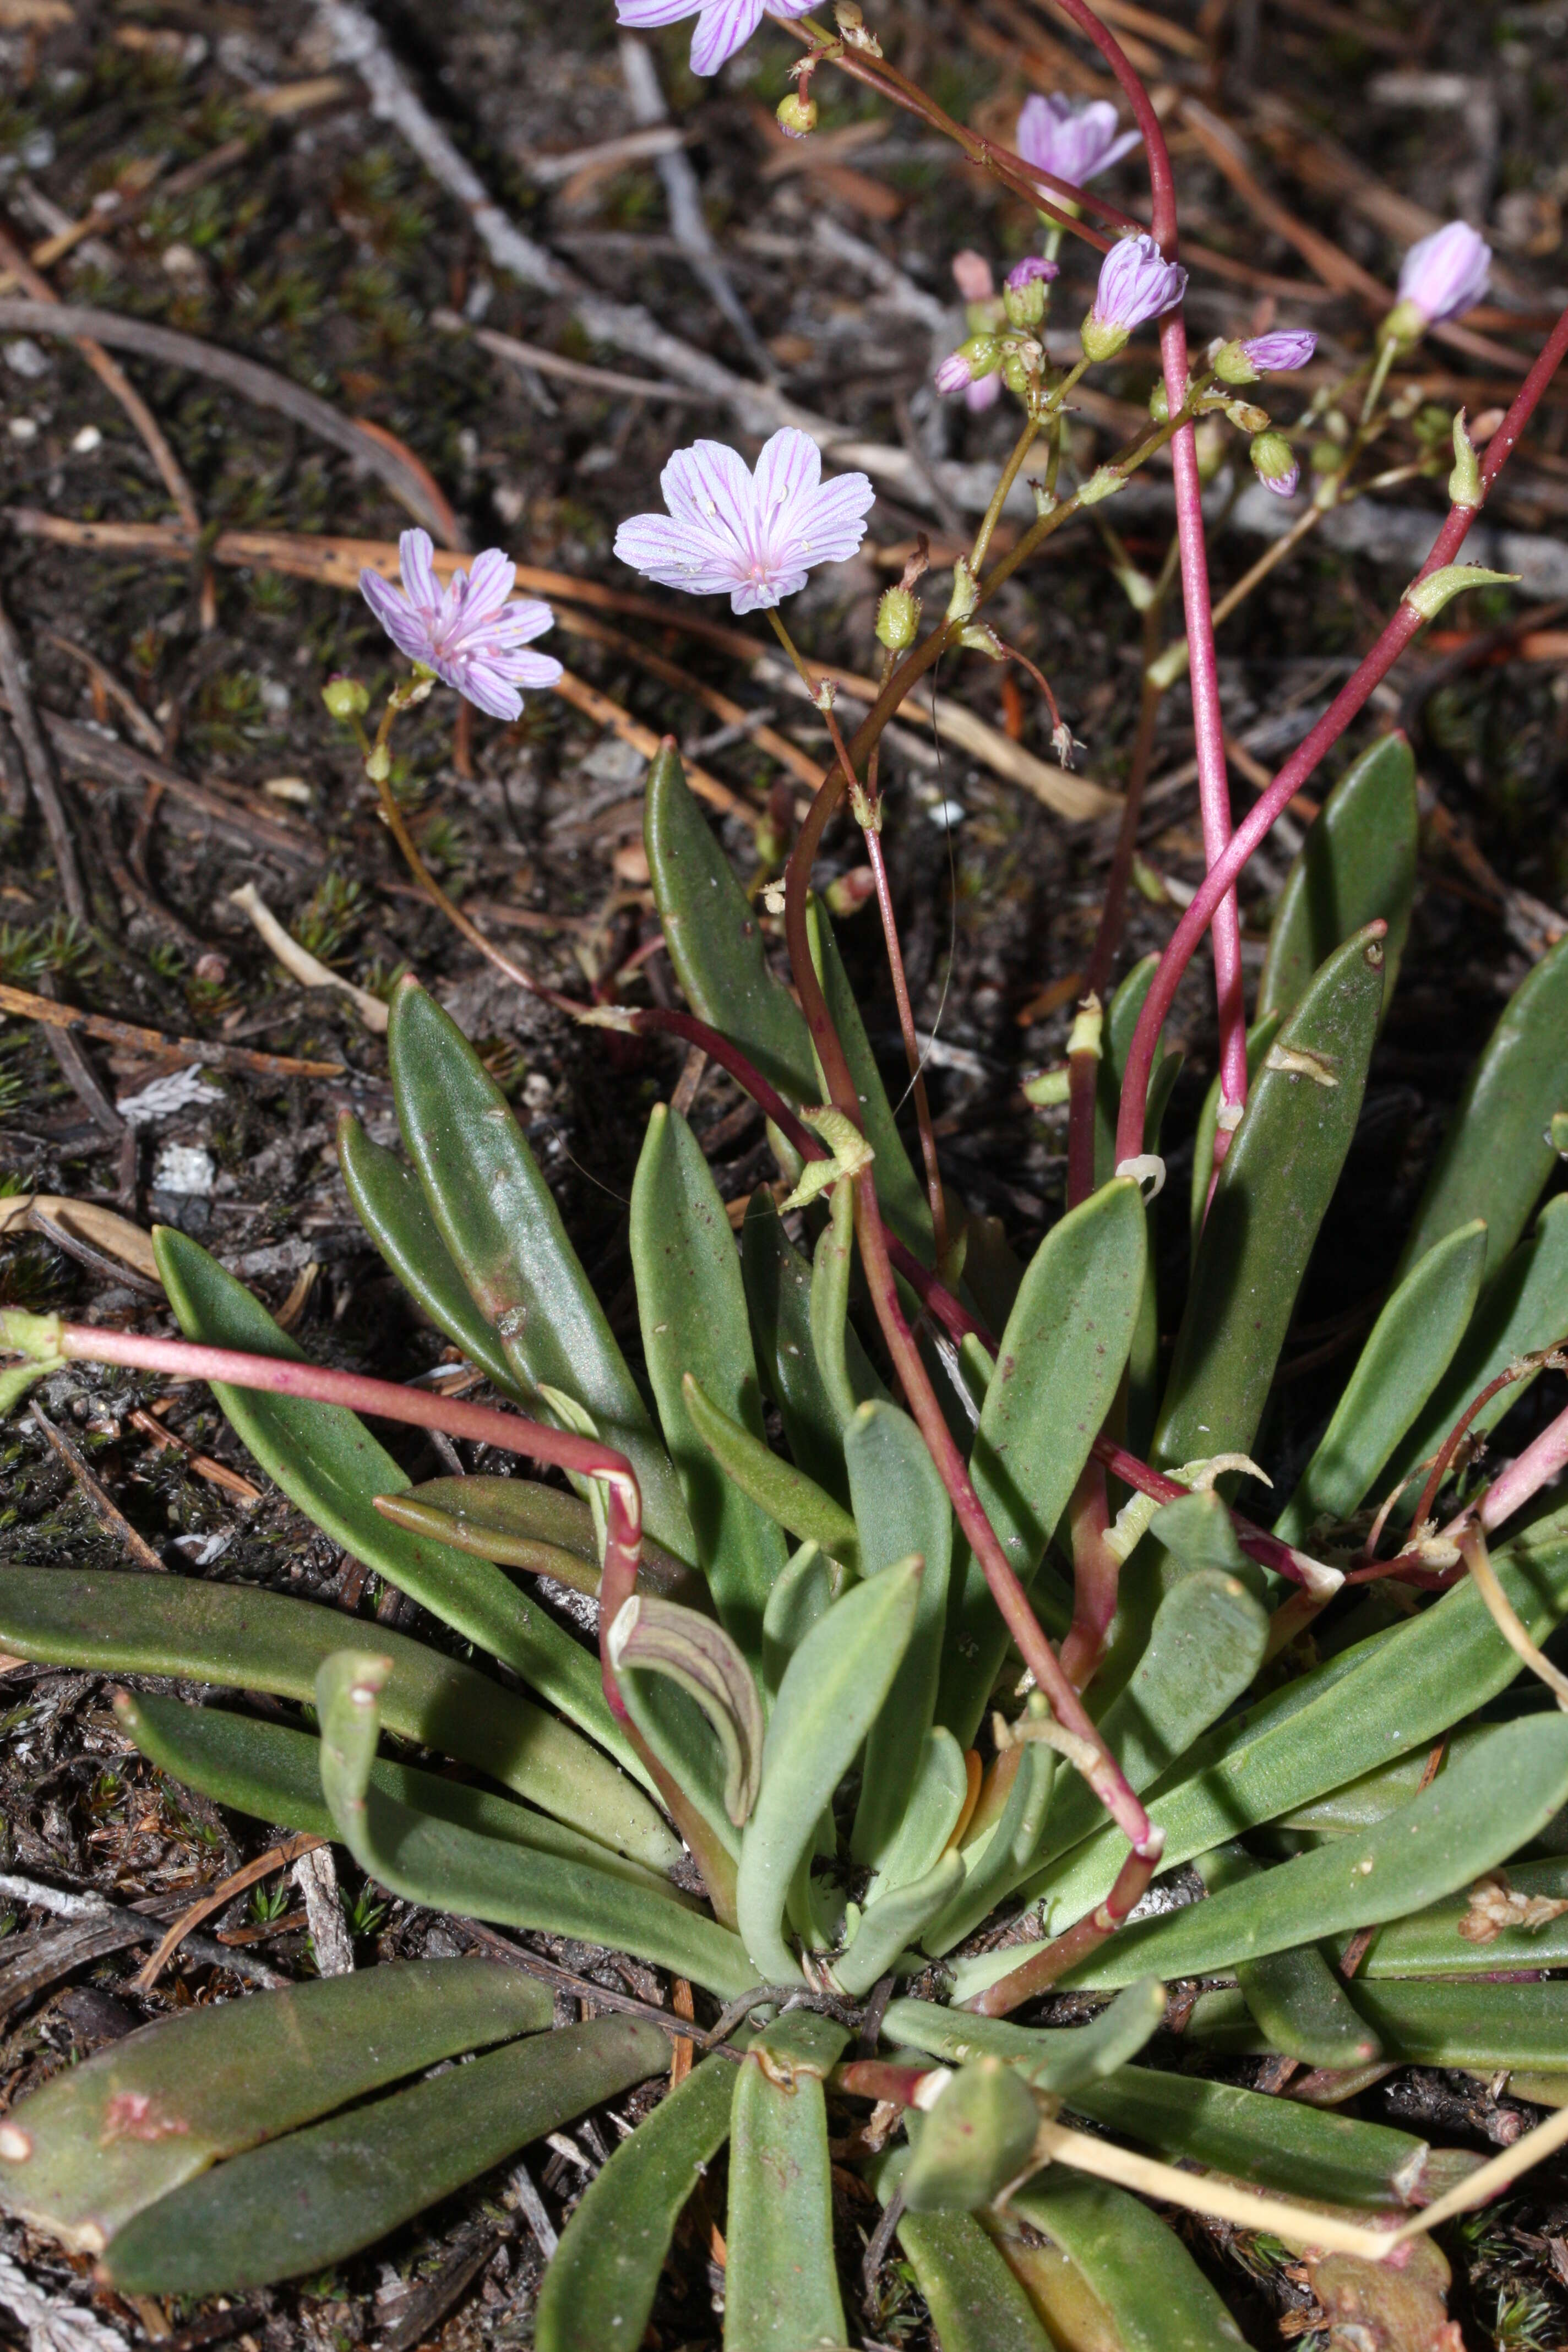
(1445, 274)
(756, 535)
(1277, 353)
(722, 27)
(415, 556)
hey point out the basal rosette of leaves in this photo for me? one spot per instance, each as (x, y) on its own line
(809, 1679)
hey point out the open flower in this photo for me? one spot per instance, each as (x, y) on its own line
(723, 26)
(1136, 284)
(467, 633)
(754, 535)
(1072, 142)
(1443, 275)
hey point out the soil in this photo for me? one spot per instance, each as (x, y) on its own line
(323, 249)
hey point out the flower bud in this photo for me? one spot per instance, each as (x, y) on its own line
(982, 354)
(1246, 417)
(1159, 402)
(1276, 465)
(1015, 374)
(898, 618)
(1275, 354)
(1231, 365)
(1024, 292)
(797, 115)
(1441, 277)
(345, 698)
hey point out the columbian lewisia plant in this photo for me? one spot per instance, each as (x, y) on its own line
(468, 633)
(755, 536)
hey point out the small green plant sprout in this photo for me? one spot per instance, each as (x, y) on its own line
(927, 1630)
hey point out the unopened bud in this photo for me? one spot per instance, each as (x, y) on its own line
(1023, 292)
(1015, 370)
(1246, 417)
(1465, 481)
(847, 893)
(898, 618)
(852, 30)
(1276, 465)
(982, 354)
(345, 698)
(1231, 365)
(797, 115)
(1159, 402)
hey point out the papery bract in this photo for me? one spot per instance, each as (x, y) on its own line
(755, 536)
(1071, 141)
(723, 26)
(467, 633)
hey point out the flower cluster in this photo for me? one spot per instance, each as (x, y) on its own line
(468, 633)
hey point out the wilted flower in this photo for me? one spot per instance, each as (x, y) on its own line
(1072, 142)
(1275, 354)
(1275, 464)
(1136, 284)
(1024, 289)
(754, 535)
(722, 25)
(468, 633)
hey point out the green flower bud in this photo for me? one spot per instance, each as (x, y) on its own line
(345, 698)
(797, 115)
(982, 354)
(898, 618)
(1160, 403)
(1102, 338)
(1014, 370)
(1026, 304)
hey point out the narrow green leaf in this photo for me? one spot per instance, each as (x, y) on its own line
(522, 1523)
(1469, 1819)
(1499, 1154)
(1274, 1187)
(894, 1921)
(1358, 862)
(1429, 1944)
(110, 2135)
(599, 2289)
(781, 2283)
(900, 1506)
(995, 1863)
(1260, 1039)
(390, 1203)
(715, 939)
(831, 1333)
(778, 1296)
(453, 1869)
(1057, 2058)
(975, 2303)
(935, 1802)
(786, 1494)
(1157, 2298)
(1525, 1307)
(693, 1310)
(1062, 1357)
(805, 1592)
(1268, 2142)
(977, 2136)
(500, 1221)
(327, 1462)
(1450, 2022)
(827, 1701)
(1411, 1345)
(1387, 1697)
(259, 1640)
(274, 1774)
(310, 2199)
(901, 1193)
(1298, 2001)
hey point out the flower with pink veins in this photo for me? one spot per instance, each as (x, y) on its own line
(755, 536)
(1073, 140)
(723, 26)
(467, 633)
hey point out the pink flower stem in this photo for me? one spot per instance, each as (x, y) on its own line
(1352, 697)
(388, 1400)
(1545, 1458)
(1268, 1550)
(1037, 1974)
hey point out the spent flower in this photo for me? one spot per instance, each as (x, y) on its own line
(723, 26)
(754, 535)
(1024, 290)
(1441, 277)
(1136, 284)
(468, 633)
(1071, 140)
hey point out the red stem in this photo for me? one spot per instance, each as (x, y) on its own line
(1066, 1951)
(388, 1400)
(1350, 698)
(1543, 1460)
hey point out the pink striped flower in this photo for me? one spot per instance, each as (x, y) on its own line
(467, 633)
(722, 25)
(1073, 142)
(755, 536)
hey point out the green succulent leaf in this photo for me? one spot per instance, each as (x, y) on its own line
(1275, 1184)
(600, 2286)
(451, 1868)
(996, 1860)
(1429, 1943)
(1054, 2058)
(778, 1293)
(327, 1462)
(1358, 862)
(1470, 1818)
(714, 936)
(937, 1799)
(1062, 1357)
(1260, 1039)
(1448, 2023)
(500, 1225)
(831, 1333)
(1410, 1348)
(315, 2197)
(831, 1692)
(786, 1494)
(900, 1194)
(978, 2134)
(660, 1637)
(975, 2303)
(693, 1309)
(1499, 1153)
(781, 2283)
(521, 1523)
(390, 1203)
(1298, 2001)
(1154, 2293)
(900, 1506)
(260, 1641)
(895, 1921)
(110, 2136)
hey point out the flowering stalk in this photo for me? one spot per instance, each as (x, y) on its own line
(1544, 1459)
(45, 1339)
(1044, 1968)
(1352, 697)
